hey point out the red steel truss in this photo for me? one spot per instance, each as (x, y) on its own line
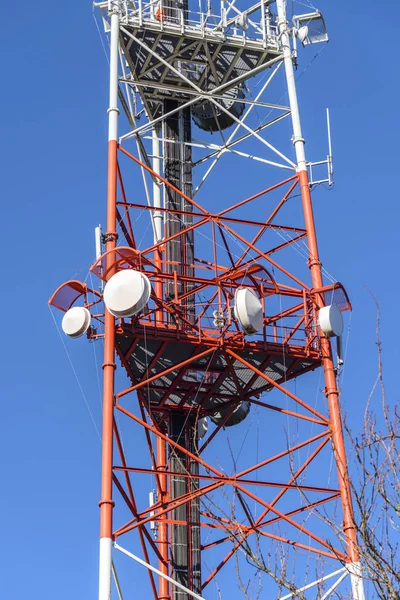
(191, 362)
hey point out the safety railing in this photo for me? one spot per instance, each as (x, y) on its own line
(258, 26)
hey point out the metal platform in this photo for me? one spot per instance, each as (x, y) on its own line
(211, 380)
(175, 53)
(191, 56)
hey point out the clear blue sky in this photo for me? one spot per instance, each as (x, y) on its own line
(53, 158)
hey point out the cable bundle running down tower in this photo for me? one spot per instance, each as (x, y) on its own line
(213, 303)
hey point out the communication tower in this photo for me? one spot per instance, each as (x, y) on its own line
(212, 303)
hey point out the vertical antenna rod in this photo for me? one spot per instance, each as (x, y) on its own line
(330, 157)
(97, 241)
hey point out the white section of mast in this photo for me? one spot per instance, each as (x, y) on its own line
(113, 110)
(298, 139)
(357, 583)
(105, 569)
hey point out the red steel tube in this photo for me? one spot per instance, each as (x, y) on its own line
(106, 502)
(331, 389)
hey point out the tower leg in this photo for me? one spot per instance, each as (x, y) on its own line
(357, 584)
(106, 503)
(331, 388)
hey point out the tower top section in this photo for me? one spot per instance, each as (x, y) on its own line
(174, 52)
(229, 24)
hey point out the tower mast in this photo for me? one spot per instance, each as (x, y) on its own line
(203, 336)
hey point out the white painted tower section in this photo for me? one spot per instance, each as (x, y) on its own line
(357, 584)
(113, 110)
(298, 139)
(105, 569)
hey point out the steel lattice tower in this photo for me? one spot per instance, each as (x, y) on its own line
(182, 77)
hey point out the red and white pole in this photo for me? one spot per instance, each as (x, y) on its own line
(106, 502)
(332, 392)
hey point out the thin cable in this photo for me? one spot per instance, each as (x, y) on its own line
(346, 346)
(101, 37)
(301, 248)
(309, 4)
(245, 437)
(173, 450)
(96, 362)
(284, 363)
(76, 376)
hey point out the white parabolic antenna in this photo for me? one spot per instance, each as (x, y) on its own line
(248, 310)
(76, 321)
(331, 320)
(126, 293)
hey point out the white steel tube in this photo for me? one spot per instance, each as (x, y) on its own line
(314, 583)
(251, 131)
(161, 118)
(97, 239)
(116, 581)
(298, 139)
(234, 132)
(105, 569)
(263, 23)
(113, 110)
(140, 13)
(357, 584)
(157, 572)
(334, 586)
(328, 125)
(105, 559)
(158, 219)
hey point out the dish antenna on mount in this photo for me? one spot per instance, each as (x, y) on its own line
(243, 21)
(310, 28)
(127, 293)
(76, 321)
(248, 310)
(331, 322)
